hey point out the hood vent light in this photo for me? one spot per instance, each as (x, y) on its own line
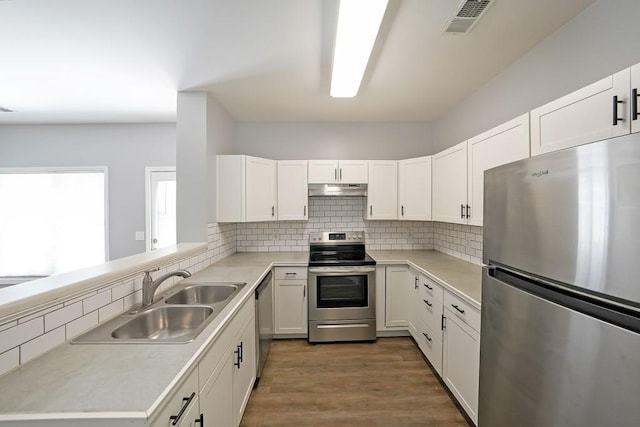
(467, 16)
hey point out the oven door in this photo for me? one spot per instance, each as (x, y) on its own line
(342, 293)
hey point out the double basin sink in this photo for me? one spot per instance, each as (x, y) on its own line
(176, 318)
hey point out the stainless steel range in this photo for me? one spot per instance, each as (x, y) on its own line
(342, 297)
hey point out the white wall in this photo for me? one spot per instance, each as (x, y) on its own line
(602, 40)
(125, 148)
(204, 129)
(330, 140)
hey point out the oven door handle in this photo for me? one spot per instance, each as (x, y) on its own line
(339, 271)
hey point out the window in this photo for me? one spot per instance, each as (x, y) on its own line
(52, 220)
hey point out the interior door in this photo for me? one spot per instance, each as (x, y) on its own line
(161, 216)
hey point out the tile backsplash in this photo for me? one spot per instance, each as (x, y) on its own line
(347, 213)
(31, 335)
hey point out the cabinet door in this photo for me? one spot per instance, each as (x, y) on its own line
(461, 363)
(353, 172)
(216, 402)
(293, 190)
(323, 171)
(413, 301)
(414, 189)
(583, 116)
(450, 184)
(230, 188)
(397, 296)
(290, 307)
(261, 189)
(501, 145)
(244, 375)
(635, 100)
(382, 193)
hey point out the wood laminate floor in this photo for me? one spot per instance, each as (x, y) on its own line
(387, 383)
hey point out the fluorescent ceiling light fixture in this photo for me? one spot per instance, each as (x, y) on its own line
(358, 25)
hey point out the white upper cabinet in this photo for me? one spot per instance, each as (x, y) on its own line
(246, 189)
(293, 190)
(635, 101)
(501, 145)
(382, 192)
(450, 184)
(261, 189)
(414, 189)
(338, 171)
(593, 113)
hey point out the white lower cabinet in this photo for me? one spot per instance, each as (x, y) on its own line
(461, 354)
(397, 289)
(181, 406)
(216, 401)
(290, 302)
(227, 371)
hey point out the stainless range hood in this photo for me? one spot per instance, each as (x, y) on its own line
(324, 190)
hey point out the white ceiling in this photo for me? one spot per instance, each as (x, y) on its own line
(263, 60)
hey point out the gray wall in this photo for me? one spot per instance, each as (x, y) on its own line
(319, 140)
(126, 149)
(603, 39)
(204, 129)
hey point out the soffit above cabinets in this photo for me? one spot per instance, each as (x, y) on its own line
(125, 61)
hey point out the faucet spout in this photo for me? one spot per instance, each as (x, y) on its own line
(149, 286)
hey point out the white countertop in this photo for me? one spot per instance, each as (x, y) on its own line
(130, 380)
(461, 277)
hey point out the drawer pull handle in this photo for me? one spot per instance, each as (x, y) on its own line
(238, 359)
(290, 274)
(200, 420)
(185, 404)
(457, 308)
(428, 303)
(415, 283)
(427, 336)
(428, 287)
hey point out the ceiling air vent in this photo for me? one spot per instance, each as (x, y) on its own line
(467, 16)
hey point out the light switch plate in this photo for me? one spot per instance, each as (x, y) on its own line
(139, 235)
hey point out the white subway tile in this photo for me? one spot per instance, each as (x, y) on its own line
(8, 325)
(81, 324)
(110, 310)
(21, 333)
(94, 302)
(42, 344)
(62, 316)
(9, 360)
(122, 290)
(39, 313)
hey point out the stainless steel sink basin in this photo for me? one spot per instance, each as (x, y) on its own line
(179, 317)
(203, 294)
(164, 323)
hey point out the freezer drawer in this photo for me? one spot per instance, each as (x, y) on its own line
(542, 364)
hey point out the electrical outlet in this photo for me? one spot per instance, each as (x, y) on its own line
(139, 235)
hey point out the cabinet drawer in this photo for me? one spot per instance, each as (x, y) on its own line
(430, 312)
(183, 399)
(216, 354)
(430, 290)
(462, 310)
(430, 343)
(291, 273)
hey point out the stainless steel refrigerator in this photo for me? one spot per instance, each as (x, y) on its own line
(560, 342)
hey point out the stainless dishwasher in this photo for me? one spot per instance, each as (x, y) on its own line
(264, 321)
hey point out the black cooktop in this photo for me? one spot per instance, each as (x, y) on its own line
(339, 256)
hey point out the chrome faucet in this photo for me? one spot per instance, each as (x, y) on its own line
(149, 285)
